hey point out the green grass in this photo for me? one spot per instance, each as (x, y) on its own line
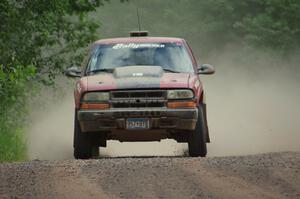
(15, 88)
(12, 145)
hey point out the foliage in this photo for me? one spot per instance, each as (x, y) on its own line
(263, 23)
(212, 25)
(46, 34)
(38, 39)
(14, 91)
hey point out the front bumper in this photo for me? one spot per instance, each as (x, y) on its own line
(160, 118)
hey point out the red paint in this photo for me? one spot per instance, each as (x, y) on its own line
(106, 81)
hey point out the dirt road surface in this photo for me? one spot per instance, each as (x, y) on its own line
(274, 175)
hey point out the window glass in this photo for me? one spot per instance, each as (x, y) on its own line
(171, 56)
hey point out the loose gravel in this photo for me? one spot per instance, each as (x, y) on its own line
(274, 175)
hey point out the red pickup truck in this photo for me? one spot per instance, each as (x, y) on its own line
(139, 88)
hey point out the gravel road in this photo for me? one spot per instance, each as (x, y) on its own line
(274, 175)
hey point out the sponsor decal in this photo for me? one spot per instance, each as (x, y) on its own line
(138, 45)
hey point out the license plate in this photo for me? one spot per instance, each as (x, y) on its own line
(137, 123)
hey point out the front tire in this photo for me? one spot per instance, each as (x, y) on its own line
(83, 147)
(197, 138)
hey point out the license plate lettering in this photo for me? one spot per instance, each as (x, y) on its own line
(137, 123)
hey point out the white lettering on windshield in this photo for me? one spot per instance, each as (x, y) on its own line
(138, 45)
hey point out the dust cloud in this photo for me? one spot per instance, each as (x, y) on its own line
(252, 108)
(50, 133)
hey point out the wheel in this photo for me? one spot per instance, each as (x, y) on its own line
(83, 148)
(197, 138)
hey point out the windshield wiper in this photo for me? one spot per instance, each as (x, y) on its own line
(106, 70)
(170, 70)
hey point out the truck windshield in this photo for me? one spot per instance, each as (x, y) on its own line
(172, 57)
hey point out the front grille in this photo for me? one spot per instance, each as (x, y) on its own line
(138, 94)
(120, 114)
(138, 98)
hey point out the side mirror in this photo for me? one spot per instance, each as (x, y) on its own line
(206, 69)
(73, 71)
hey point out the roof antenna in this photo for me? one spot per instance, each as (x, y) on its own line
(138, 17)
(139, 33)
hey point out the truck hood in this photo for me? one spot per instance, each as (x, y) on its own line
(137, 77)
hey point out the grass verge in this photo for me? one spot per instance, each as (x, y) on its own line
(12, 145)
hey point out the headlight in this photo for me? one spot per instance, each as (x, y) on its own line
(96, 96)
(180, 94)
